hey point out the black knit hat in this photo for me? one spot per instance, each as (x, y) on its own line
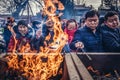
(36, 22)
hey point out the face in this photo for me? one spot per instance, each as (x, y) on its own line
(112, 22)
(22, 29)
(50, 25)
(71, 26)
(92, 22)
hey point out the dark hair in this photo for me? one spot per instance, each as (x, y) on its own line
(110, 14)
(101, 20)
(10, 19)
(71, 20)
(91, 13)
(35, 23)
(22, 22)
(82, 20)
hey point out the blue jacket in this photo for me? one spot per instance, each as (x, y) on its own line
(111, 39)
(92, 41)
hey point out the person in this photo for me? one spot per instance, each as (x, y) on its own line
(36, 25)
(101, 21)
(81, 22)
(9, 27)
(37, 40)
(22, 36)
(48, 29)
(111, 32)
(111, 40)
(88, 37)
(71, 27)
(63, 22)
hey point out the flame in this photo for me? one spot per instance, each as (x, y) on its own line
(12, 31)
(90, 68)
(35, 67)
(44, 65)
(60, 38)
(14, 37)
(26, 48)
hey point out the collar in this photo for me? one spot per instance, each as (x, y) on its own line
(89, 29)
(109, 29)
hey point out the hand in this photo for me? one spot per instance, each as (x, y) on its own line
(79, 45)
(60, 14)
(38, 33)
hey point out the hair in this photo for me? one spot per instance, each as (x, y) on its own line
(110, 14)
(82, 20)
(35, 23)
(91, 13)
(101, 20)
(70, 21)
(10, 19)
(22, 22)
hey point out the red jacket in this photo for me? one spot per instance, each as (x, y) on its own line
(70, 34)
(19, 43)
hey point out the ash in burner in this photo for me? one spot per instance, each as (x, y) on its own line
(12, 74)
(102, 65)
(104, 78)
(16, 75)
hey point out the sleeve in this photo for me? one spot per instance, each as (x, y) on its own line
(77, 37)
(66, 48)
(11, 44)
(44, 30)
(111, 43)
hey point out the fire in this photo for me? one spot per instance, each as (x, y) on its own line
(90, 68)
(26, 48)
(60, 37)
(44, 65)
(35, 67)
(14, 35)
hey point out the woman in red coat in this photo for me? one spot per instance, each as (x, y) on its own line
(71, 27)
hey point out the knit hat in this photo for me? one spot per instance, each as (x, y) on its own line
(36, 22)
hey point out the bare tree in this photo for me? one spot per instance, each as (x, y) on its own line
(7, 6)
(69, 7)
(17, 6)
(20, 4)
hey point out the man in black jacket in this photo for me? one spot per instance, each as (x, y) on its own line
(111, 40)
(88, 37)
(111, 32)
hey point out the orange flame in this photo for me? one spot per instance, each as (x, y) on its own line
(90, 68)
(14, 37)
(35, 67)
(60, 38)
(42, 66)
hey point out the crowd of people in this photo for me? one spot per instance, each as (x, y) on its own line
(92, 34)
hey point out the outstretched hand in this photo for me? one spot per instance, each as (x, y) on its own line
(79, 45)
